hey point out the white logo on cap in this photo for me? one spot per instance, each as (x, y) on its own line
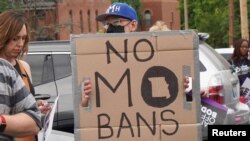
(113, 8)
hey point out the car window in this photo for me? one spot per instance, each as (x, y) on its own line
(219, 61)
(62, 65)
(202, 67)
(226, 56)
(225, 52)
(48, 72)
(42, 68)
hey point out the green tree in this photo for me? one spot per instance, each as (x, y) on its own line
(209, 16)
(212, 17)
(237, 18)
(6, 4)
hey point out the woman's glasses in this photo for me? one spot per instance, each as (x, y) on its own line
(245, 47)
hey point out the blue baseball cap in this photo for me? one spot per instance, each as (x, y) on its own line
(119, 9)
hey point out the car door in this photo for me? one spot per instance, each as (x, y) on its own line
(43, 76)
(42, 70)
(63, 82)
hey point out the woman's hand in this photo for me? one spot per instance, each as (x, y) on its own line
(43, 106)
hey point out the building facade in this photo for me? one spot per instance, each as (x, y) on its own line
(57, 19)
(164, 10)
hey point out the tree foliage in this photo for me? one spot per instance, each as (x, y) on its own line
(211, 16)
(6, 4)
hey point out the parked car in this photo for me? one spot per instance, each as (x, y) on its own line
(227, 53)
(51, 71)
(51, 74)
(218, 80)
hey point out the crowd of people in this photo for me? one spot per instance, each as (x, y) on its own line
(17, 102)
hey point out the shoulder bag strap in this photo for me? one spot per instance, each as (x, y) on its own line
(24, 75)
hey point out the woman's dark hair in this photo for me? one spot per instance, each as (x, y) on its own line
(237, 45)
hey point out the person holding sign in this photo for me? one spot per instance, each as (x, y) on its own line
(241, 65)
(119, 18)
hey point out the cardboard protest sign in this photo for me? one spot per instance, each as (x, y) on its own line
(138, 91)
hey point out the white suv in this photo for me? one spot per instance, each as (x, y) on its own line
(217, 79)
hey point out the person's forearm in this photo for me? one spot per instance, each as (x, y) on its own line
(20, 125)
